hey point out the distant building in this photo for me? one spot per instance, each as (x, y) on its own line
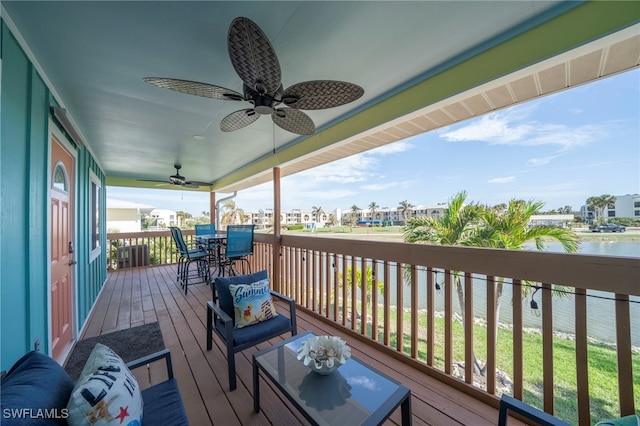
(263, 219)
(395, 216)
(125, 216)
(561, 220)
(625, 206)
(161, 219)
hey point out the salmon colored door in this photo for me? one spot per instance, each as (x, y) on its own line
(62, 253)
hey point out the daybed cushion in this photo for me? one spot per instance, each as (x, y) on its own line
(106, 392)
(224, 294)
(36, 382)
(252, 303)
(163, 405)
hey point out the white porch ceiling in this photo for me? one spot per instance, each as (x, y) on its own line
(422, 64)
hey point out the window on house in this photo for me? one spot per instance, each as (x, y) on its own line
(611, 213)
(60, 181)
(95, 202)
(637, 213)
(636, 204)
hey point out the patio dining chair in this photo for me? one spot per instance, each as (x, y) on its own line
(211, 246)
(241, 326)
(238, 246)
(188, 256)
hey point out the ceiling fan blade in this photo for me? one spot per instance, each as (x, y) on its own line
(238, 119)
(253, 57)
(190, 185)
(293, 121)
(197, 183)
(320, 94)
(194, 88)
(157, 182)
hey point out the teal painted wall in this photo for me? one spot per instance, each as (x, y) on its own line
(24, 182)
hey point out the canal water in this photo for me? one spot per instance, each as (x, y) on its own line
(600, 305)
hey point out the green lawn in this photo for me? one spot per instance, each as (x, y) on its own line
(603, 381)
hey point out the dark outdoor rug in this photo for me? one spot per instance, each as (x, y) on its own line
(130, 344)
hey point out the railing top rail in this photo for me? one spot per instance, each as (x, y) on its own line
(604, 273)
(145, 234)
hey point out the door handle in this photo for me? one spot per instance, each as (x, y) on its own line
(72, 262)
(71, 250)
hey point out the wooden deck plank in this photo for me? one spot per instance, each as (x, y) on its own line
(142, 295)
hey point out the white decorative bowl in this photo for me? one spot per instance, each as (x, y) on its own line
(324, 354)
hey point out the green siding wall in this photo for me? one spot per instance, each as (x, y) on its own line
(24, 206)
(16, 294)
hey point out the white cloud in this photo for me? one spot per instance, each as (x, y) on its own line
(379, 186)
(541, 161)
(514, 128)
(505, 179)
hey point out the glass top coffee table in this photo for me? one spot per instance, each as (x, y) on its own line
(354, 394)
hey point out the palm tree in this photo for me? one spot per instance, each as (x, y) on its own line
(182, 216)
(332, 221)
(599, 204)
(229, 217)
(355, 212)
(316, 212)
(373, 206)
(405, 208)
(478, 226)
(510, 230)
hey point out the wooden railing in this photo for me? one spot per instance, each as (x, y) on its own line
(407, 297)
(434, 335)
(133, 249)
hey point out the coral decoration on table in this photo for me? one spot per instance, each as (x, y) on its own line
(324, 354)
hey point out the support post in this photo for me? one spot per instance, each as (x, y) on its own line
(276, 229)
(212, 208)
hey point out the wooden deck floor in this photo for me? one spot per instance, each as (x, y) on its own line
(133, 297)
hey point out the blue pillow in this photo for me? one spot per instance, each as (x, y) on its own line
(34, 384)
(224, 294)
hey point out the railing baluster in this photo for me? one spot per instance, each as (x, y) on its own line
(345, 301)
(623, 343)
(399, 308)
(311, 279)
(374, 300)
(353, 293)
(336, 278)
(547, 348)
(517, 339)
(322, 282)
(363, 295)
(414, 312)
(492, 337)
(468, 330)
(448, 321)
(387, 304)
(584, 416)
(430, 315)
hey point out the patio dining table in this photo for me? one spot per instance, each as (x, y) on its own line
(213, 244)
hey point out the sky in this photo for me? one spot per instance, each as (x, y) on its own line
(560, 149)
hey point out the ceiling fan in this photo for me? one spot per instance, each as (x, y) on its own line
(256, 63)
(178, 180)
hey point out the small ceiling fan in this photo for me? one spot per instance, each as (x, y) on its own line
(257, 65)
(178, 180)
